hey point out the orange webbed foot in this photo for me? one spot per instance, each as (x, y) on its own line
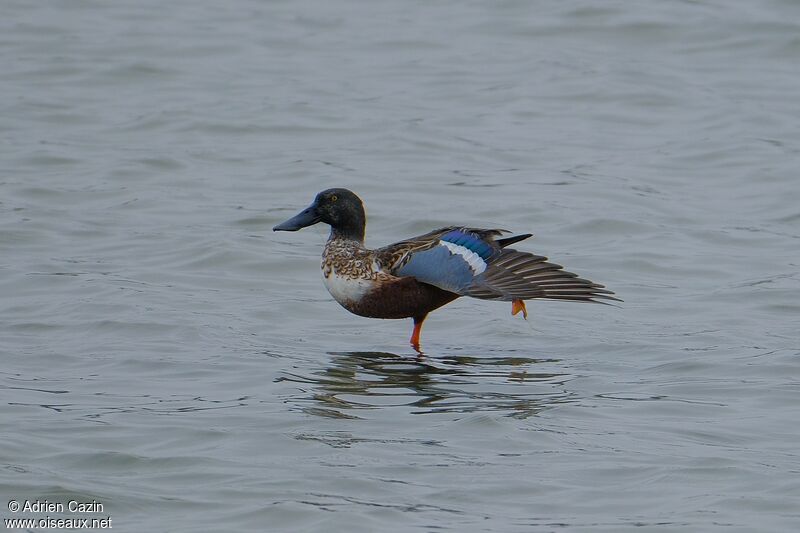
(517, 306)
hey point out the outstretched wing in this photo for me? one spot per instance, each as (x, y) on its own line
(472, 262)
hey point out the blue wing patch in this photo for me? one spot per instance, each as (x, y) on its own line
(470, 242)
(440, 267)
(451, 265)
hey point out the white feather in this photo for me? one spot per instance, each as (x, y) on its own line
(344, 289)
(475, 262)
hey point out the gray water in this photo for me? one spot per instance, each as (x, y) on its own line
(167, 355)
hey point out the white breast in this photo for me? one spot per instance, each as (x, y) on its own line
(345, 289)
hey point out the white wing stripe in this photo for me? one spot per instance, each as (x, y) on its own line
(474, 261)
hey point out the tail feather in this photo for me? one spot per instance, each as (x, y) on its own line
(508, 241)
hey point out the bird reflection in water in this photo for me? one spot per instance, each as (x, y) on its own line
(356, 381)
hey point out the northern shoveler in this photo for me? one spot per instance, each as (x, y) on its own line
(411, 278)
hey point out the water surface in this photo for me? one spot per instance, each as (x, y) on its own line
(164, 353)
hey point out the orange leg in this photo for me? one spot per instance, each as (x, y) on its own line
(517, 306)
(417, 330)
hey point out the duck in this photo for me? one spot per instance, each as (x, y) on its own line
(411, 278)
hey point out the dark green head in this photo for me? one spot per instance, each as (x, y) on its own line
(339, 208)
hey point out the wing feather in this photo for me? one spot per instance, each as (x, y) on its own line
(508, 275)
(516, 275)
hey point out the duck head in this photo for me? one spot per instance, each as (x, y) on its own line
(341, 209)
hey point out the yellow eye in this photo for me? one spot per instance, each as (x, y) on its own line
(334, 198)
